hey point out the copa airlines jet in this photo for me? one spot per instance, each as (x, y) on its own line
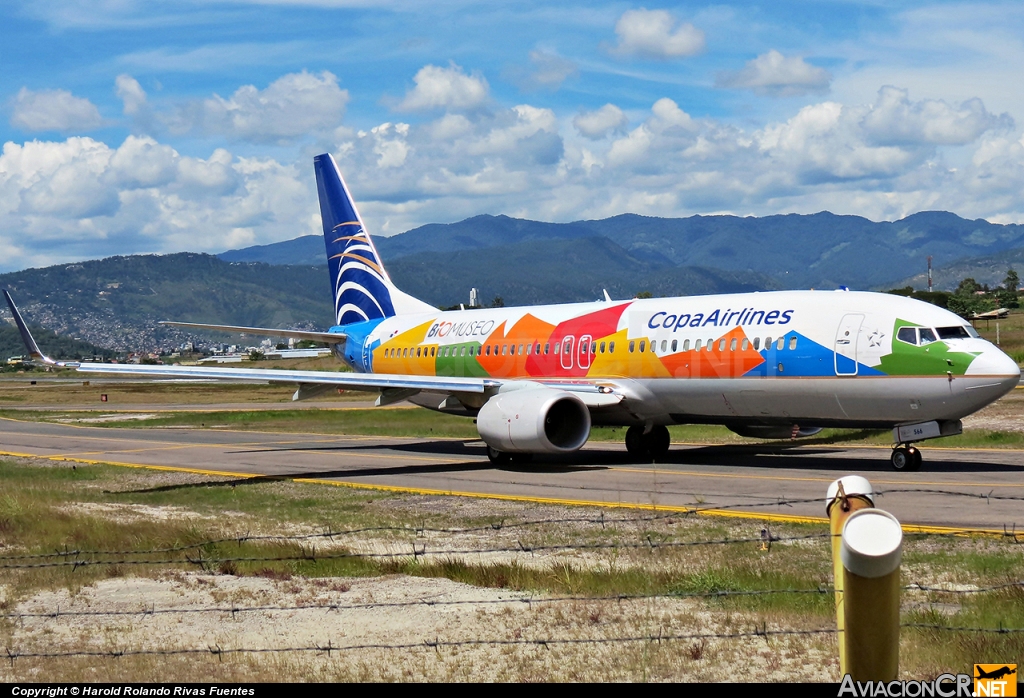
(768, 365)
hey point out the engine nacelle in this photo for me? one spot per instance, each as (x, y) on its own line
(534, 420)
(759, 431)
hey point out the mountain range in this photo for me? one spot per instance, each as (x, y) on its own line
(117, 302)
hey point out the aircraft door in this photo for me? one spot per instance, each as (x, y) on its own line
(567, 351)
(583, 360)
(846, 344)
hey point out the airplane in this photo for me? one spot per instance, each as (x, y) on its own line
(996, 314)
(770, 365)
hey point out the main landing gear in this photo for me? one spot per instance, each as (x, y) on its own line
(653, 444)
(905, 457)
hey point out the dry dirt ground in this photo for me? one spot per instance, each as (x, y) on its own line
(373, 612)
(365, 613)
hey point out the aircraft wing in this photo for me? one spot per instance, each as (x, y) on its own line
(326, 337)
(344, 380)
(594, 396)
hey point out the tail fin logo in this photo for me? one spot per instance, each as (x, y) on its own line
(360, 284)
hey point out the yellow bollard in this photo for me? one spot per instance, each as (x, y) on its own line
(871, 550)
(845, 496)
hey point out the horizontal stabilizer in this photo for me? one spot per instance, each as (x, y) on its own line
(326, 337)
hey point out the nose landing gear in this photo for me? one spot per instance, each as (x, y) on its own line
(905, 458)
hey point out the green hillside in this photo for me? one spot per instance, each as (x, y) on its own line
(117, 302)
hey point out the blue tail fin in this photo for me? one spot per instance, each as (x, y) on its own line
(362, 289)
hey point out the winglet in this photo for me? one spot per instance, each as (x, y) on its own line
(26, 336)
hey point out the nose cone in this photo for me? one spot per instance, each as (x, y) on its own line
(993, 362)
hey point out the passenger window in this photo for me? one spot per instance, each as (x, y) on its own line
(732, 344)
(745, 345)
(602, 347)
(643, 345)
(520, 349)
(529, 349)
(767, 343)
(907, 334)
(433, 351)
(696, 347)
(593, 348)
(711, 343)
(557, 344)
(487, 350)
(780, 345)
(584, 347)
(504, 349)
(757, 343)
(664, 346)
(721, 344)
(547, 347)
(675, 345)
(463, 351)
(632, 346)
(536, 349)
(686, 345)
(792, 343)
(611, 347)
(927, 336)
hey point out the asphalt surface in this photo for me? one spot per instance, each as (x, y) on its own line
(955, 488)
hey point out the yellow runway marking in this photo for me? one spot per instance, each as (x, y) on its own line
(783, 478)
(781, 518)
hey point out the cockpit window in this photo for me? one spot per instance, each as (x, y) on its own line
(907, 334)
(958, 332)
(927, 336)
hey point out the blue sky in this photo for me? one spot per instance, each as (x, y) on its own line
(135, 126)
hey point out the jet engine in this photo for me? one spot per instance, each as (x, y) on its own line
(534, 420)
(761, 431)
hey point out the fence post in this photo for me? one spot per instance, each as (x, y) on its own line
(871, 551)
(845, 496)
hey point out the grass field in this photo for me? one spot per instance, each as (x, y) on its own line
(46, 508)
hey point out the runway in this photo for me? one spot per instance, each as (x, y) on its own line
(763, 483)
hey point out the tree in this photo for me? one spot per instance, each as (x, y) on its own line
(966, 301)
(498, 302)
(645, 294)
(1012, 281)
(256, 355)
(968, 287)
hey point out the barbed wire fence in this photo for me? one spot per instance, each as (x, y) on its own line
(195, 555)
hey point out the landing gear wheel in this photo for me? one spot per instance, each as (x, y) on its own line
(657, 441)
(635, 442)
(915, 458)
(498, 457)
(905, 458)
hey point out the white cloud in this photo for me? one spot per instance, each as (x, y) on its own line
(600, 122)
(131, 94)
(776, 75)
(655, 34)
(445, 88)
(54, 110)
(81, 198)
(293, 106)
(894, 119)
(550, 70)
